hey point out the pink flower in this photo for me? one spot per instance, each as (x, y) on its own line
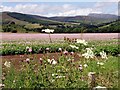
(27, 60)
(80, 68)
(65, 52)
(30, 49)
(41, 60)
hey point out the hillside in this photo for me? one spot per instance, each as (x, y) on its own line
(103, 16)
(90, 19)
(30, 18)
(18, 22)
(7, 19)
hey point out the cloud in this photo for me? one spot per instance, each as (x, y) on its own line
(59, 0)
(27, 8)
(82, 11)
(114, 0)
(101, 4)
(50, 10)
(16, 0)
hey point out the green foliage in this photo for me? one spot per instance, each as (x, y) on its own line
(14, 28)
(20, 47)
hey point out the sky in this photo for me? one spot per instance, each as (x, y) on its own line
(52, 8)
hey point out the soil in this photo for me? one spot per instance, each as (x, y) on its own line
(17, 59)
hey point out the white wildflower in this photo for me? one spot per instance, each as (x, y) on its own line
(89, 53)
(13, 81)
(47, 49)
(59, 49)
(100, 63)
(60, 76)
(48, 30)
(73, 46)
(2, 85)
(7, 64)
(58, 70)
(69, 59)
(103, 55)
(71, 53)
(27, 48)
(54, 74)
(41, 59)
(85, 65)
(54, 62)
(52, 80)
(100, 87)
(82, 42)
(49, 60)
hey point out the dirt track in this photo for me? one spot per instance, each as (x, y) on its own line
(86, 36)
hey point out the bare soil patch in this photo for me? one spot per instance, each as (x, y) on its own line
(17, 59)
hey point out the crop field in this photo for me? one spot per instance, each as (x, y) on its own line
(39, 36)
(52, 61)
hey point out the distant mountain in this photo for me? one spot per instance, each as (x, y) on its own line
(103, 16)
(90, 19)
(21, 18)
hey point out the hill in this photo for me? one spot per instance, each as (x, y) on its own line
(103, 16)
(90, 19)
(19, 22)
(17, 17)
(6, 18)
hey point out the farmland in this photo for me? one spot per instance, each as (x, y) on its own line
(66, 45)
(32, 61)
(39, 36)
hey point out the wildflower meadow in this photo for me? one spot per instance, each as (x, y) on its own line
(60, 64)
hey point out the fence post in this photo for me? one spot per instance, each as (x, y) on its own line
(91, 80)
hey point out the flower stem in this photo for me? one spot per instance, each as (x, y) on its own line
(50, 38)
